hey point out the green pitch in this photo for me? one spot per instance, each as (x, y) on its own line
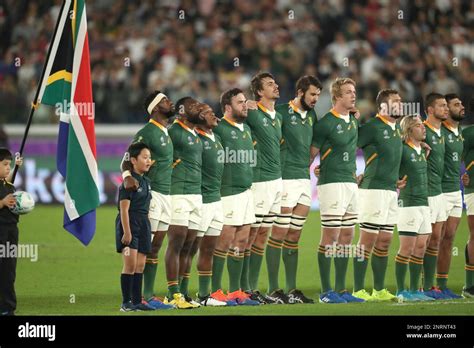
(70, 279)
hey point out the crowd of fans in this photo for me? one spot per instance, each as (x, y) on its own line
(200, 48)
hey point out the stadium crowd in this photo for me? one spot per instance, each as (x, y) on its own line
(202, 50)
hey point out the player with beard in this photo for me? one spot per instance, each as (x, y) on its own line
(186, 200)
(381, 141)
(437, 111)
(212, 215)
(237, 199)
(468, 158)
(451, 189)
(155, 136)
(298, 123)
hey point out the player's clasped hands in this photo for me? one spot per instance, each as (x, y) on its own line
(402, 182)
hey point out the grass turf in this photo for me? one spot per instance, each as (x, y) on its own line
(70, 279)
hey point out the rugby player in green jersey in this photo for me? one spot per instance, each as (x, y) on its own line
(155, 136)
(380, 140)
(414, 220)
(265, 123)
(437, 111)
(238, 156)
(468, 158)
(298, 122)
(212, 215)
(186, 200)
(451, 188)
(335, 138)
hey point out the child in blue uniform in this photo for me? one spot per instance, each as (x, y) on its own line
(133, 230)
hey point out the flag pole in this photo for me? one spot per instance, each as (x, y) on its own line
(34, 104)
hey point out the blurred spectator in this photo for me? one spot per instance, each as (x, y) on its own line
(201, 48)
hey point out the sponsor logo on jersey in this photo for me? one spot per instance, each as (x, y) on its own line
(434, 140)
(293, 120)
(450, 138)
(339, 129)
(207, 146)
(265, 122)
(233, 134)
(163, 142)
(413, 157)
(190, 140)
(385, 134)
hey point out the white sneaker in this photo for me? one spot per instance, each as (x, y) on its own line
(208, 301)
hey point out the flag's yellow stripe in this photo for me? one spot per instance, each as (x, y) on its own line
(60, 75)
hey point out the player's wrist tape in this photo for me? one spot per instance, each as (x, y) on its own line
(125, 174)
(155, 102)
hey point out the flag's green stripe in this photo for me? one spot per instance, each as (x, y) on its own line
(57, 92)
(79, 181)
(80, 10)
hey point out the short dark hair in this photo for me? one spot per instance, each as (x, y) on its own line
(135, 149)
(383, 96)
(431, 98)
(304, 82)
(149, 99)
(182, 103)
(451, 96)
(226, 97)
(256, 83)
(5, 154)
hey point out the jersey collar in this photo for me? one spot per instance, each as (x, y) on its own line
(240, 126)
(448, 126)
(200, 131)
(185, 127)
(430, 126)
(335, 113)
(160, 126)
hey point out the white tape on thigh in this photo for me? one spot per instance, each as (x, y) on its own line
(331, 221)
(349, 221)
(283, 220)
(268, 220)
(297, 222)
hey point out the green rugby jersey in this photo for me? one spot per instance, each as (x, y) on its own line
(266, 133)
(212, 168)
(187, 160)
(382, 147)
(468, 157)
(238, 157)
(435, 159)
(414, 168)
(297, 135)
(452, 159)
(156, 137)
(337, 144)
